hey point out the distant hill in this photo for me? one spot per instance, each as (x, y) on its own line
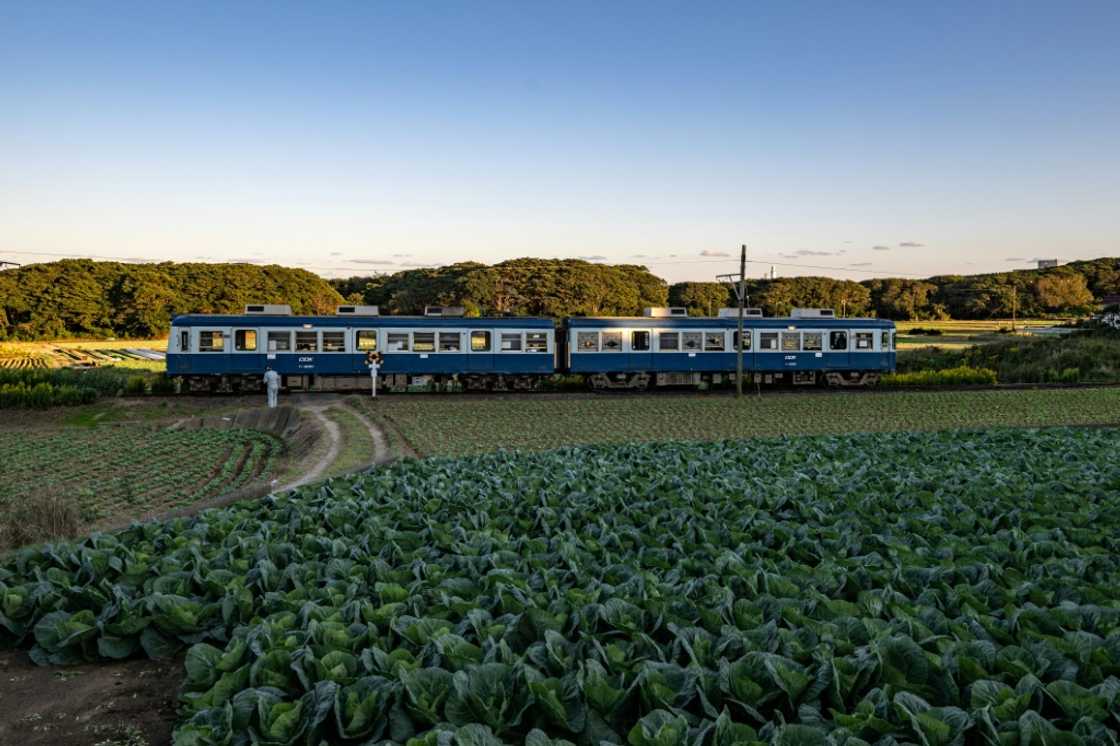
(85, 298)
(566, 287)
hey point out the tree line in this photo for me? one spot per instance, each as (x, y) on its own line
(570, 287)
(85, 298)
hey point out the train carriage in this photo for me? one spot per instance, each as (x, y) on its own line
(665, 348)
(328, 353)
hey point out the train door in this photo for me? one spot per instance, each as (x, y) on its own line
(480, 351)
(885, 362)
(640, 350)
(247, 354)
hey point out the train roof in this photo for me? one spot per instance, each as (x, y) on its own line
(345, 322)
(707, 322)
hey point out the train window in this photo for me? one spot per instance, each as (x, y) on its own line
(397, 341)
(279, 341)
(366, 340)
(587, 341)
(639, 341)
(714, 341)
(245, 340)
(307, 341)
(612, 341)
(864, 340)
(791, 341)
(838, 341)
(536, 342)
(423, 341)
(746, 340)
(768, 340)
(511, 342)
(184, 341)
(812, 341)
(480, 341)
(692, 340)
(669, 341)
(450, 341)
(885, 342)
(334, 341)
(210, 342)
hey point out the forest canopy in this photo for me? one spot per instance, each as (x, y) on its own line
(85, 298)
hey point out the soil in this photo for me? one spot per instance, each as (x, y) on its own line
(124, 703)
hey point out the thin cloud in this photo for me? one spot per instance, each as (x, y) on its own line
(640, 256)
(810, 252)
(336, 253)
(709, 252)
(593, 258)
(880, 247)
(1014, 259)
(246, 261)
(402, 256)
(911, 245)
(373, 262)
(860, 264)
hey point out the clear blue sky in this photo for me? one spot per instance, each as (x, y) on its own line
(348, 137)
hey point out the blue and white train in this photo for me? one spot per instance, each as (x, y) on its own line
(445, 350)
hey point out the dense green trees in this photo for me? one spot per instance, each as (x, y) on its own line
(536, 287)
(84, 298)
(701, 298)
(88, 298)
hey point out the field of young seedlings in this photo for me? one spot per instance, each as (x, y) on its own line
(463, 425)
(902, 588)
(123, 470)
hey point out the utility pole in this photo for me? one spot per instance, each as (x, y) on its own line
(1014, 306)
(741, 296)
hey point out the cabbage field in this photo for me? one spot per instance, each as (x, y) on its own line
(934, 588)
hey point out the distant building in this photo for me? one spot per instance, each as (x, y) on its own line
(7, 265)
(1047, 263)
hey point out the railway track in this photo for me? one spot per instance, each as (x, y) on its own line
(720, 392)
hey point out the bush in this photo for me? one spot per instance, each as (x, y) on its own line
(925, 331)
(163, 385)
(960, 376)
(105, 381)
(1065, 375)
(43, 395)
(136, 386)
(44, 517)
(1094, 354)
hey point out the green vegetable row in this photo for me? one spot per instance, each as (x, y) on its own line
(948, 588)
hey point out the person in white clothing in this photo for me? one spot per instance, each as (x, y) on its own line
(373, 360)
(272, 381)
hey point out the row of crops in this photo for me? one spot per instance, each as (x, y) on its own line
(451, 426)
(24, 362)
(934, 589)
(131, 470)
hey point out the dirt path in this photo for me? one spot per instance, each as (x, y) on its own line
(381, 453)
(318, 408)
(126, 702)
(334, 442)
